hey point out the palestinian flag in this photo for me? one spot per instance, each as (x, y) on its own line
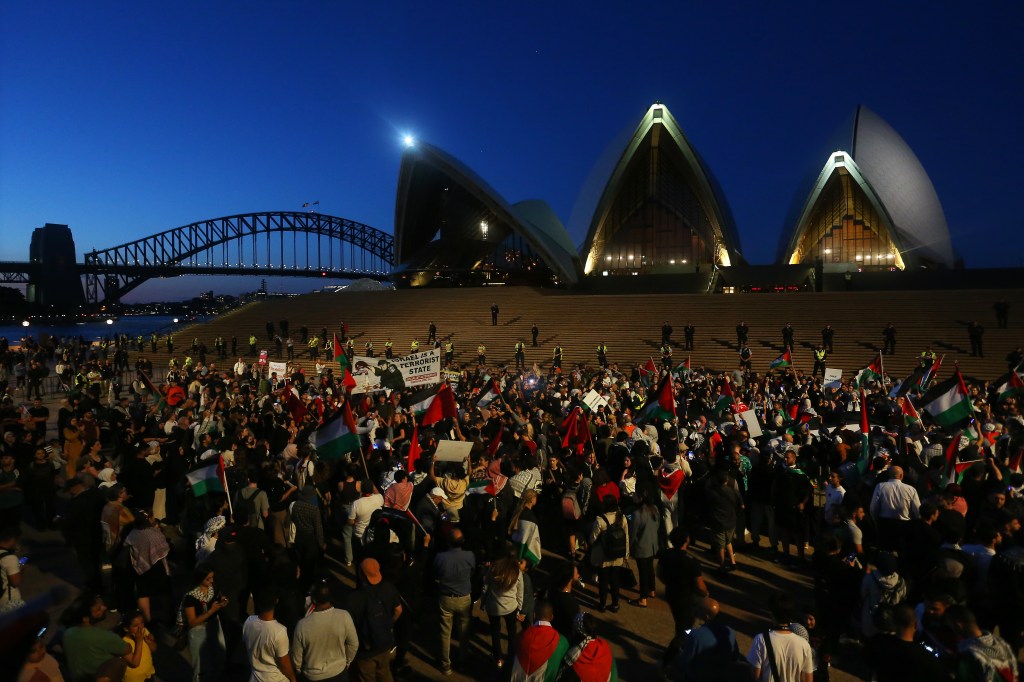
(784, 360)
(910, 415)
(595, 662)
(911, 383)
(490, 396)
(1008, 386)
(526, 537)
(873, 372)
(495, 444)
(296, 408)
(337, 436)
(540, 653)
(683, 367)
(929, 375)
(414, 449)
(725, 396)
(662, 403)
(348, 381)
(208, 479)
(148, 384)
(433, 406)
(648, 372)
(948, 402)
(338, 349)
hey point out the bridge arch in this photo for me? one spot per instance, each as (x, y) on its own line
(249, 243)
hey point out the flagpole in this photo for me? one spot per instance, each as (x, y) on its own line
(227, 490)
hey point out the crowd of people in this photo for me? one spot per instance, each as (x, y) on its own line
(579, 476)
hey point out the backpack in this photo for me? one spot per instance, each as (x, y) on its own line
(614, 540)
(246, 506)
(376, 632)
(571, 506)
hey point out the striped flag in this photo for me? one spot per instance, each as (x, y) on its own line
(873, 372)
(414, 448)
(576, 430)
(683, 367)
(910, 415)
(662, 403)
(930, 374)
(949, 402)
(1008, 386)
(208, 479)
(864, 465)
(338, 350)
(337, 436)
(784, 360)
(526, 538)
(725, 396)
(432, 406)
(490, 396)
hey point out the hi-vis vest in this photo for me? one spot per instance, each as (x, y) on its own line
(314, 342)
(481, 349)
(819, 355)
(666, 350)
(414, 346)
(252, 340)
(388, 345)
(602, 349)
(448, 347)
(557, 352)
(519, 347)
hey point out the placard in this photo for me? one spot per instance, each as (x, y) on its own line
(753, 426)
(263, 357)
(833, 378)
(281, 368)
(452, 451)
(594, 400)
(415, 369)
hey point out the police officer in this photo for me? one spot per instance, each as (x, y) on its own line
(534, 332)
(414, 347)
(389, 348)
(314, 348)
(152, 342)
(449, 352)
(556, 357)
(827, 334)
(927, 358)
(431, 332)
(481, 354)
(819, 361)
(741, 333)
(666, 355)
(602, 355)
(787, 337)
(252, 344)
(170, 344)
(520, 355)
(745, 357)
(350, 348)
(666, 333)
(975, 332)
(369, 349)
(688, 331)
(234, 345)
(494, 314)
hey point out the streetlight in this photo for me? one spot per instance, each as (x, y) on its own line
(24, 323)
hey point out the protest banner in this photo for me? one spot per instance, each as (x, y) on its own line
(377, 374)
(833, 378)
(753, 426)
(594, 400)
(263, 357)
(280, 368)
(452, 451)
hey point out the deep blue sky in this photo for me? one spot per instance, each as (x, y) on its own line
(122, 119)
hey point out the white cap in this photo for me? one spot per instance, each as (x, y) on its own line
(437, 492)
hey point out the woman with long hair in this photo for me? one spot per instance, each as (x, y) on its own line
(609, 550)
(643, 536)
(73, 446)
(199, 617)
(525, 530)
(148, 551)
(503, 601)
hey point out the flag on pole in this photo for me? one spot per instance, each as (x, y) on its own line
(492, 394)
(208, 479)
(928, 375)
(338, 349)
(725, 396)
(955, 469)
(337, 436)
(434, 407)
(414, 448)
(348, 381)
(495, 444)
(526, 538)
(784, 360)
(873, 372)
(296, 408)
(683, 367)
(910, 414)
(1008, 386)
(948, 403)
(662, 403)
(648, 372)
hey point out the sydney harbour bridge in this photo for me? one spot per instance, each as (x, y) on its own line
(290, 244)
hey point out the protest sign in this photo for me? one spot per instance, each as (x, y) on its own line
(753, 426)
(833, 378)
(377, 374)
(280, 368)
(594, 400)
(452, 451)
(263, 357)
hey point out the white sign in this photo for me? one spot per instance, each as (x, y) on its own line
(377, 374)
(594, 400)
(281, 368)
(833, 378)
(452, 451)
(753, 426)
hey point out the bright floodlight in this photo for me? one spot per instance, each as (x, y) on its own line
(109, 321)
(408, 140)
(24, 323)
(175, 320)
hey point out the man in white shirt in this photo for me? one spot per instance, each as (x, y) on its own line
(834, 494)
(790, 654)
(266, 643)
(893, 505)
(240, 368)
(363, 508)
(325, 641)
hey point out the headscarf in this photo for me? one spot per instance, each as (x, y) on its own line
(207, 542)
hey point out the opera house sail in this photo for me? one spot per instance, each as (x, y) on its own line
(872, 207)
(661, 211)
(452, 228)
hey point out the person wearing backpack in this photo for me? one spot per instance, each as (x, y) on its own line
(375, 605)
(252, 503)
(609, 543)
(881, 587)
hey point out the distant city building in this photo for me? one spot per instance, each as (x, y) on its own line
(872, 206)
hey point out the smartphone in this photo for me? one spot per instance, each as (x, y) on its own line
(42, 631)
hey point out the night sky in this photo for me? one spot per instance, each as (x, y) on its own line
(122, 119)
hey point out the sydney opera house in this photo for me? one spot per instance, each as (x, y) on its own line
(660, 212)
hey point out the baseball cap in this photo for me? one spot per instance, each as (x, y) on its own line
(437, 492)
